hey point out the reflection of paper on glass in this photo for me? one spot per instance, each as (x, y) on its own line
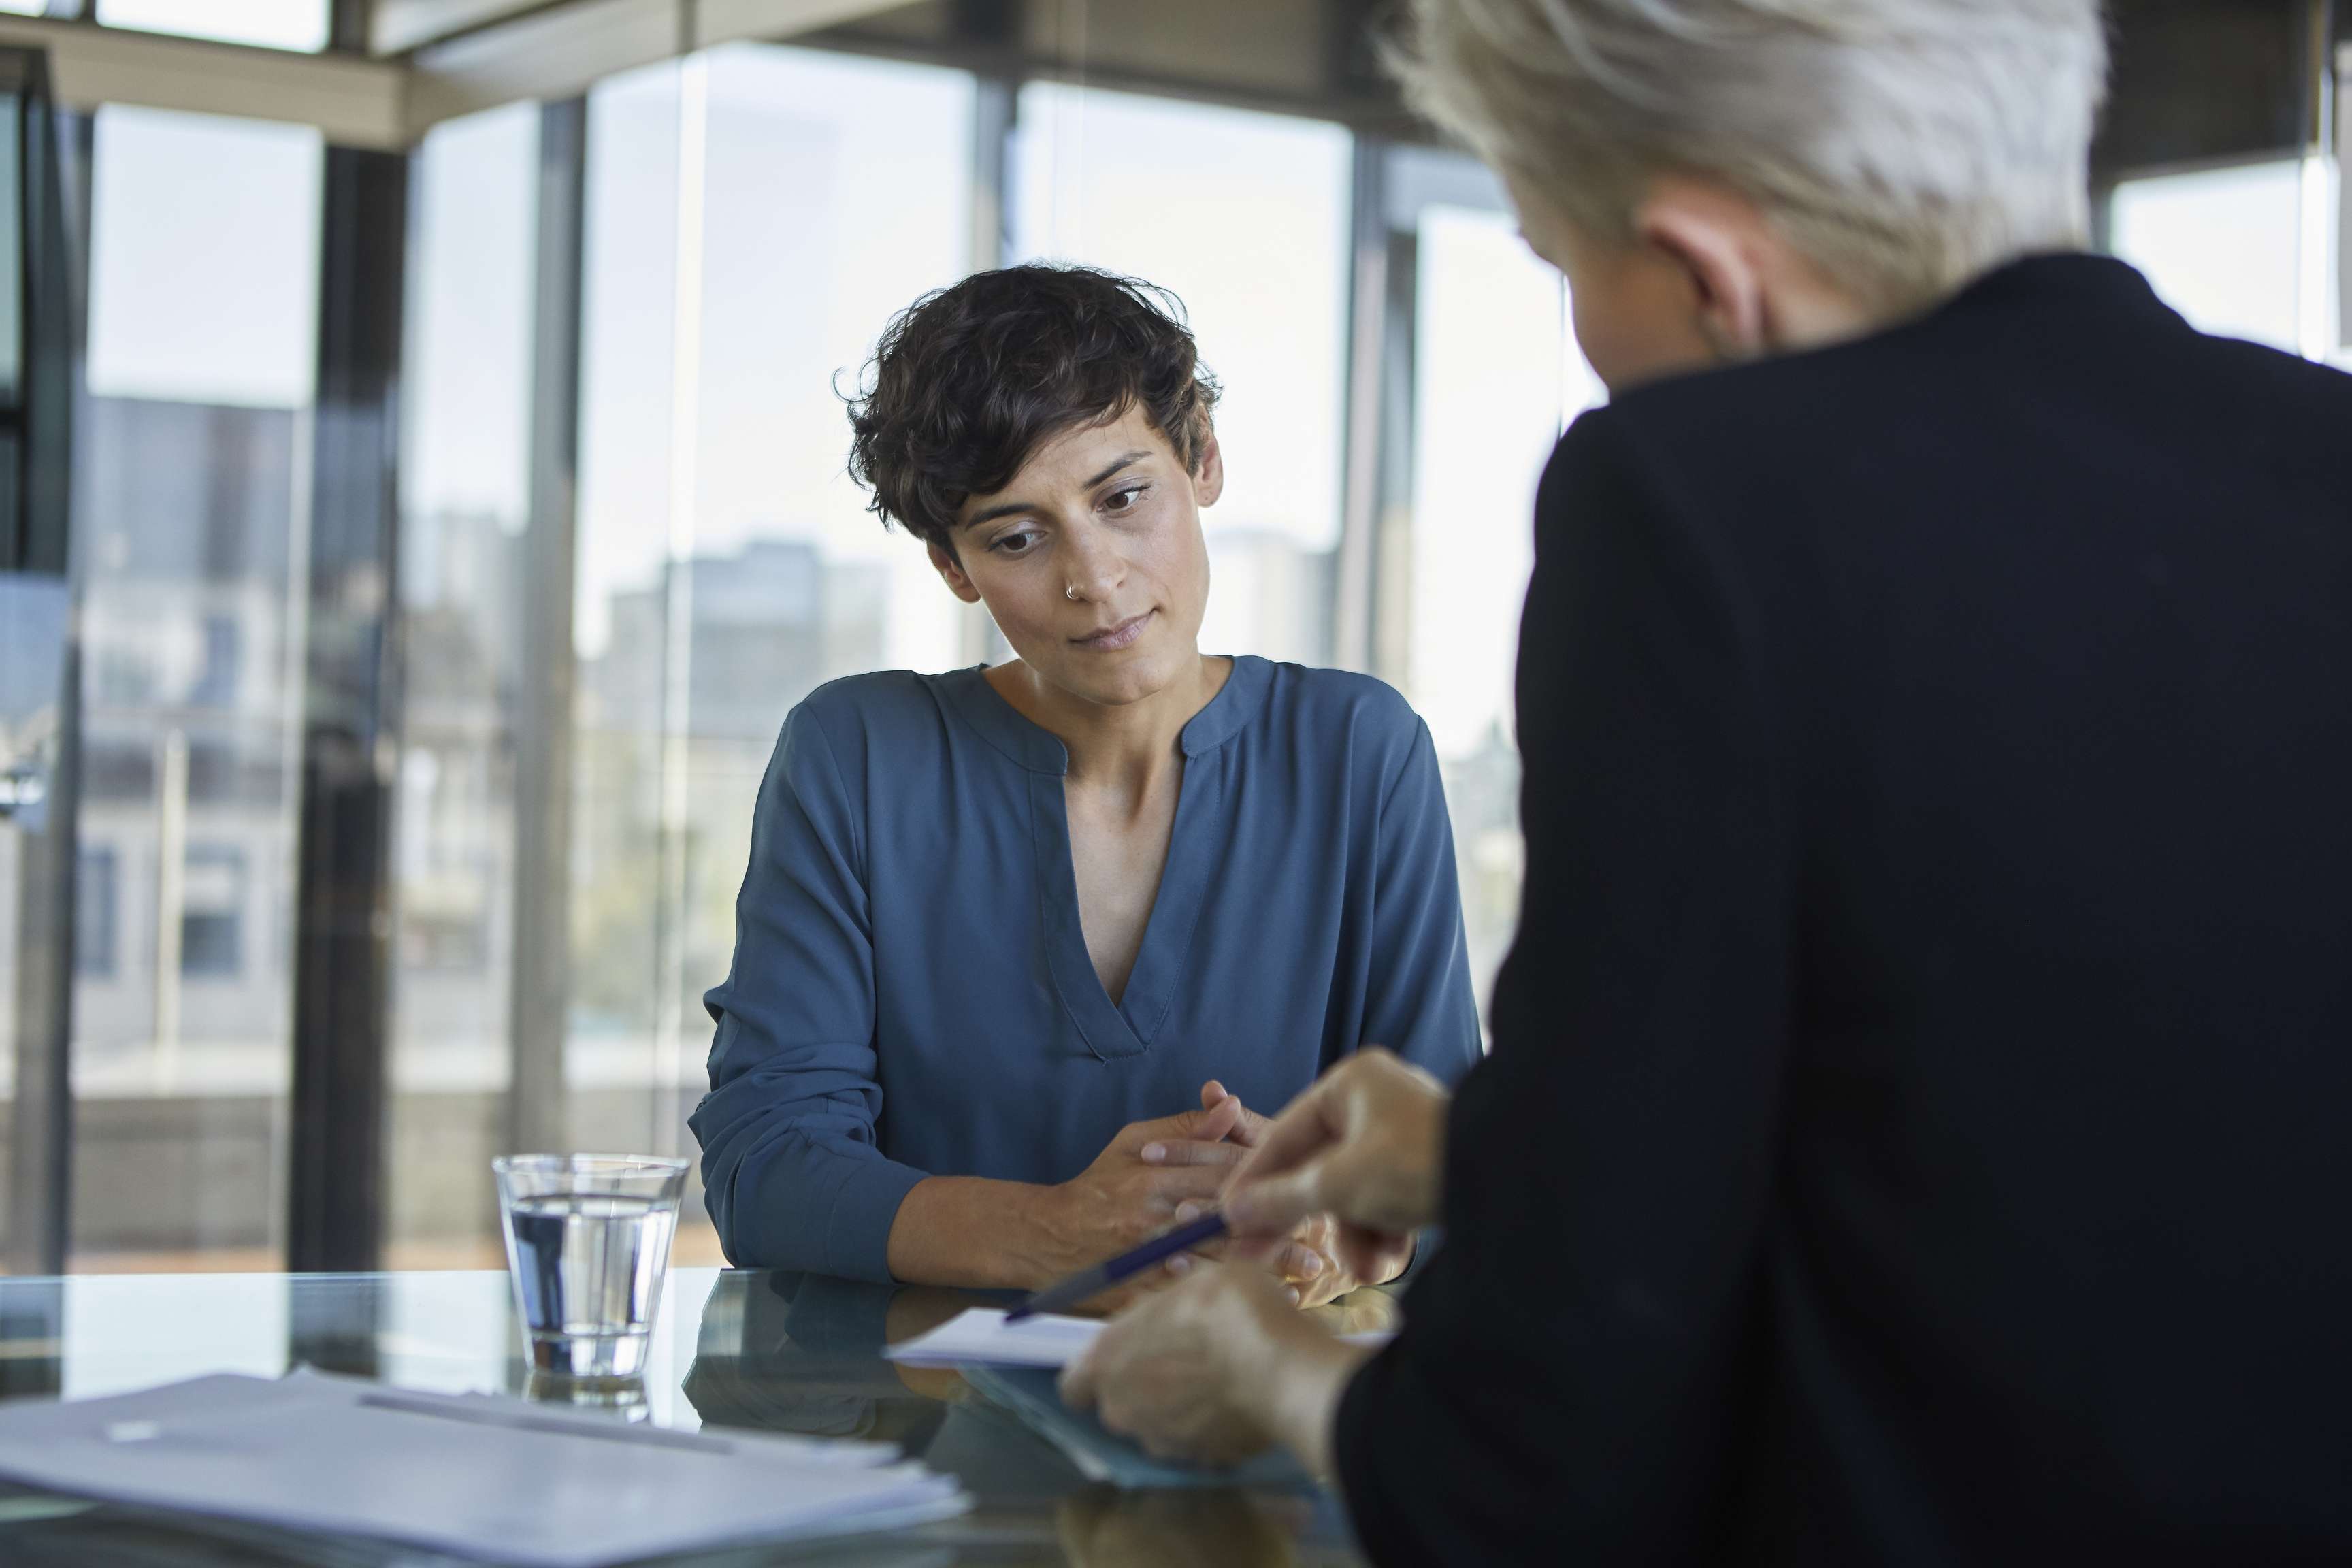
(1100, 1454)
(311, 1452)
(980, 1336)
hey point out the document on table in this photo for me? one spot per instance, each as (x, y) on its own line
(980, 1336)
(488, 1476)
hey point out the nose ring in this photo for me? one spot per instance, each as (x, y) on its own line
(1070, 590)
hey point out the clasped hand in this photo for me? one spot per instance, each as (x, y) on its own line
(1207, 1371)
(1169, 1171)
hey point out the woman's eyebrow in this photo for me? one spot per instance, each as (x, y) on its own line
(1130, 457)
(1006, 508)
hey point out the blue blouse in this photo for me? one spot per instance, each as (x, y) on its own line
(912, 994)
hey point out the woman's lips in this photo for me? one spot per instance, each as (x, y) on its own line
(1112, 638)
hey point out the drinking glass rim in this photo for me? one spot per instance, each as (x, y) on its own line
(592, 1164)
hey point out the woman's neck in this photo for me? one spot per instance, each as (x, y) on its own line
(1128, 747)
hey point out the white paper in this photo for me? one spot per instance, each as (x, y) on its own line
(307, 1453)
(980, 1336)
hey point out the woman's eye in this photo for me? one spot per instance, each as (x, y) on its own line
(1124, 500)
(1017, 543)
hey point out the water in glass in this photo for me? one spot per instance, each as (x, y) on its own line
(588, 1243)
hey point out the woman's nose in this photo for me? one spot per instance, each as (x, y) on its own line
(1094, 567)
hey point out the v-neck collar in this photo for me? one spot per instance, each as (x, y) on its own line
(1195, 845)
(1039, 750)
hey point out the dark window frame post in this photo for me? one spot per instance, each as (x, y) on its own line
(341, 1008)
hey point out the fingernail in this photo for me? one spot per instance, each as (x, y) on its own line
(1179, 1263)
(1154, 1152)
(1186, 1212)
(1313, 1265)
(1292, 1291)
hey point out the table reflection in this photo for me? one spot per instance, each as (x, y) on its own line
(1103, 1526)
(782, 1352)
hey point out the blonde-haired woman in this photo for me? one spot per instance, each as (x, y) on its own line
(1915, 1130)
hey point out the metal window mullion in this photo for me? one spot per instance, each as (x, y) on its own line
(995, 121)
(1360, 504)
(1370, 618)
(537, 1117)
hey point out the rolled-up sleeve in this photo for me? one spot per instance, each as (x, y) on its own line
(792, 1170)
(1419, 1000)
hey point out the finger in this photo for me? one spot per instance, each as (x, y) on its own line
(1077, 1382)
(1250, 1128)
(1209, 1126)
(1192, 1152)
(1197, 1183)
(1218, 1121)
(1264, 1254)
(1211, 1092)
(1312, 1122)
(1373, 1257)
(1274, 1205)
(1300, 1263)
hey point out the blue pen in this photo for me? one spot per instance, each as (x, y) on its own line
(1103, 1276)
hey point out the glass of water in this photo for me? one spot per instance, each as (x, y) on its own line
(587, 1244)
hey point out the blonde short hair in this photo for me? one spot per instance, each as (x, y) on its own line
(1904, 146)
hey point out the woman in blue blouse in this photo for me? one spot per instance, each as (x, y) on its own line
(1004, 929)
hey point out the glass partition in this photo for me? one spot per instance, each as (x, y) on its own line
(465, 506)
(1496, 377)
(1245, 218)
(2222, 245)
(755, 215)
(190, 506)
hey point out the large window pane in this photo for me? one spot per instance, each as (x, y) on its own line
(838, 191)
(755, 215)
(2222, 247)
(1496, 375)
(1245, 218)
(204, 260)
(203, 334)
(274, 24)
(465, 508)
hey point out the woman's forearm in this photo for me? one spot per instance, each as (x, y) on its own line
(974, 1233)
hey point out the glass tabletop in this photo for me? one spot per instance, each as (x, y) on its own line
(784, 1352)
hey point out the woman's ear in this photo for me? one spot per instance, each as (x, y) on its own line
(950, 572)
(1717, 242)
(1209, 474)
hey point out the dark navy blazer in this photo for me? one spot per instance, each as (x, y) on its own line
(911, 993)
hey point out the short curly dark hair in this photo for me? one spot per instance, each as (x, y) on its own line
(969, 381)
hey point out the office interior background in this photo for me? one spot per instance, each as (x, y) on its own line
(423, 429)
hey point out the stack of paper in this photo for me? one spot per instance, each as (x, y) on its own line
(488, 1476)
(980, 1336)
